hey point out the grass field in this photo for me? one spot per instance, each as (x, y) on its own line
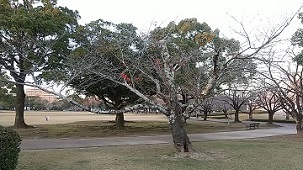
(60, 117)
(87, 125)
(273, 153)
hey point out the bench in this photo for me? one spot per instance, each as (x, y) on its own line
(252, 126)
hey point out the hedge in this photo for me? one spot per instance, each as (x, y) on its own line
(9, 148)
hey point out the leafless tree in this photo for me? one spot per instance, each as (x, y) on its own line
(206, 107)
(221, 105)
(287, 80)
(237, 99)
(269, 100)
(252, 106)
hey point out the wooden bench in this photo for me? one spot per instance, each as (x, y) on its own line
(252, 126)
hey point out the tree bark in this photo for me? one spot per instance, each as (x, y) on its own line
(299, 128)
(270, 117)
(20, 101)
(120, 122)
(237, 116)
(180, 137)
(299, 125)
(205, 116)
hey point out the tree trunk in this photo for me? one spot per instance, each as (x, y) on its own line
(120, 122)
(287, 116)
(177, 122)
(299, 128)
(20, 100)
(250, 116)
(225, 114)
(180, 138)
(237, 116)
(299, 125)
(197, 114)
(205, 116)
(270, 116)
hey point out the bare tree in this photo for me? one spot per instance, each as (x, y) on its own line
(252, 106)
(206, 106)
(237, 99)
(269, 100)
(221, 105)
(287, 80)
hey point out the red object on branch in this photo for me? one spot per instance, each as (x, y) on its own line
(125, 77)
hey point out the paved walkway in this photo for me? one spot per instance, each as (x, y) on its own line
(38, 144)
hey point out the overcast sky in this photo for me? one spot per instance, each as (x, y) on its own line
(217, 13)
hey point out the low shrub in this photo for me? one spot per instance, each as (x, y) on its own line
(9, 148)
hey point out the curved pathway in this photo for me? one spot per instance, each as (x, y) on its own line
(38, 144)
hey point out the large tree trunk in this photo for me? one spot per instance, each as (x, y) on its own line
(205, 116)
(270, 117)
(120, 122)
(180, 138)
(237, 116)
(20, 100)
(299, 125)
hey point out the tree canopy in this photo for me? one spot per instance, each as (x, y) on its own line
(33, 37)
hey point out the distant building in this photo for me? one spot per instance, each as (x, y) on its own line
(35, 92)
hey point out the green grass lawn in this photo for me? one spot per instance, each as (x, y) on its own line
(272, 153)
(88, 129)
